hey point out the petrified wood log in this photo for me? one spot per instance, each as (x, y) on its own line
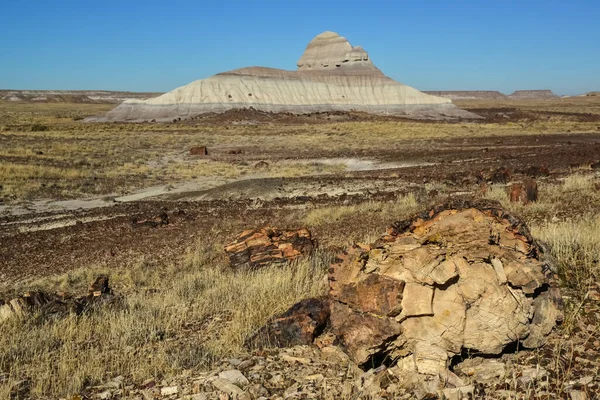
(199, 151)
(299, 325)
(259, 247)
(526, 192)
(463, 275)
(57, 304)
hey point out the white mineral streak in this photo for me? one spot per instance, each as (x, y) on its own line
(332, 76)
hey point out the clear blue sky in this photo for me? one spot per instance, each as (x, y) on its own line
(431, 45)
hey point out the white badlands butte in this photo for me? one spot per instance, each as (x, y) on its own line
(331, 76)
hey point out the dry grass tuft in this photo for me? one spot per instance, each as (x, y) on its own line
(181, 317)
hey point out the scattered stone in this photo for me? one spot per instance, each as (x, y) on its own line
(169, 390)
(261, 165)
(256, 248)
(577, 395)
(99, 287)
(58, 303)
(230, 389)
(500, 175)
(482, 370)
(107, 394)
(294, 360)
(199, 151)
(530, 375)
(24, 305)
(459, 393)
(536, 171)
(154, 222)
(526, 192)
(234, 376)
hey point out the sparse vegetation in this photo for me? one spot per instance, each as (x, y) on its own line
(191, 312)
(201, 313)
(118, 157)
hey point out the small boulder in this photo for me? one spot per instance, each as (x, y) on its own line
(199, 151)
(234, 376)
(500, 175)
(525, 193)
(99, 287)
(300, 325)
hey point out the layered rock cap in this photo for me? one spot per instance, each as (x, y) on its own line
(332, 75)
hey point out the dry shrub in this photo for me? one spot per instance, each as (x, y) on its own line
(574, 244)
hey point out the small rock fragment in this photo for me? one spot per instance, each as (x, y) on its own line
(234, 376)
(169, 390)
(230, 389)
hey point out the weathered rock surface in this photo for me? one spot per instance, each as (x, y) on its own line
(332, 75)
(259, 247)
(461, 276)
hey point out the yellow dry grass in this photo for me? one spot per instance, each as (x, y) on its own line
(191, 313)
(201, 313)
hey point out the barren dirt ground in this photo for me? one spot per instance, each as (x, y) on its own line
(41, 236)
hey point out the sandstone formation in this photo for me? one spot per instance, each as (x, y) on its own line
(462, 276)
(259, 247)
(332, 75)
(533, 95)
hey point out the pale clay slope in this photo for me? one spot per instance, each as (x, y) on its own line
(332, 76)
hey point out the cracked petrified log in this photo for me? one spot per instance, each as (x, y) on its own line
(465, 275)
(301, 324)
(259, 247)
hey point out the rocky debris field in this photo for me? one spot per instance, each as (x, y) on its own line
(304, 372)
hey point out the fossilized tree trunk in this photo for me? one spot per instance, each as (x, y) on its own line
(464, 275)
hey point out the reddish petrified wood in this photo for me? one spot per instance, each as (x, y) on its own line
(300, 325)
(259, 247)
(199, 151)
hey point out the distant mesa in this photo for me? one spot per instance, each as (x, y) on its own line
(533, 94)
(494, 95)
(332, 75)
(71, 96)
(468, 94)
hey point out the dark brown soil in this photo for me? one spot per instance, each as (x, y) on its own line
(113, 241)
